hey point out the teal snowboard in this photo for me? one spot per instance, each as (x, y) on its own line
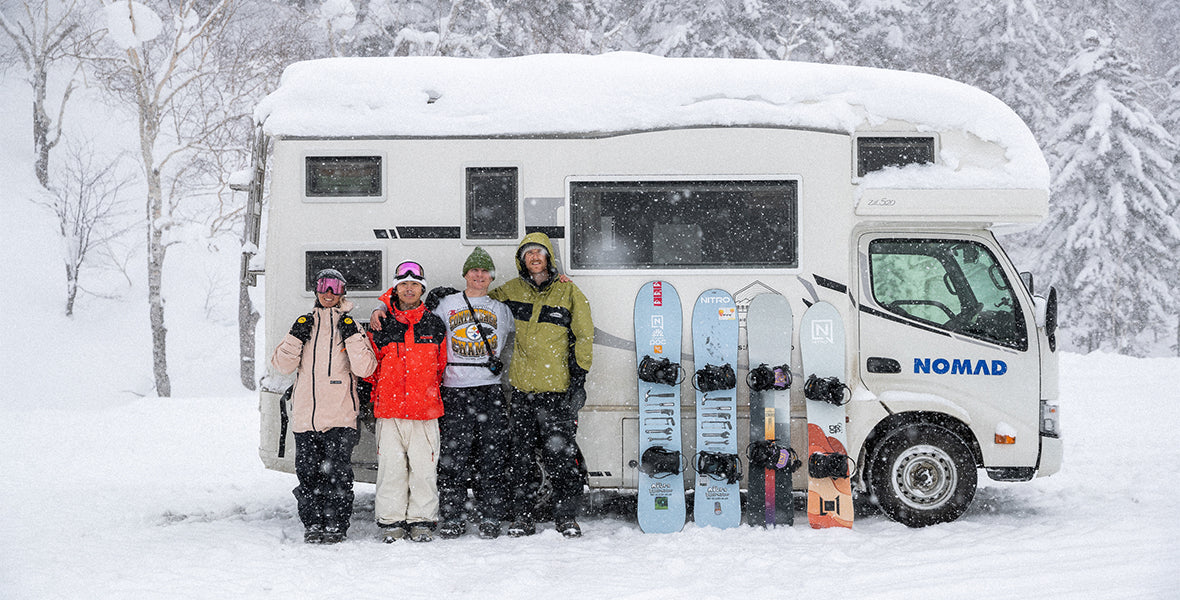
(768, 339)
(717, 495)
(658, 326)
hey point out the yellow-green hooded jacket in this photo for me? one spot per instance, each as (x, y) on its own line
(552, 320)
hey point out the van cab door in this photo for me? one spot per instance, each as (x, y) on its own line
(944, 330)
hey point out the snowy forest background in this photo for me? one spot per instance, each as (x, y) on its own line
(136, 114)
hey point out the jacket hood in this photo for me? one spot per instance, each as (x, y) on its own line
(535, 238)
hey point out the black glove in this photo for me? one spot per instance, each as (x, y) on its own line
(437, 294)
(577, 389)
(302, 327)
(347, 326)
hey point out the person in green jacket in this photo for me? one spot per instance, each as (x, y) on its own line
(551, 357)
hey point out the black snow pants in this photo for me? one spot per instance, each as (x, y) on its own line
(544, 425)
(323, 464)
(475, 444)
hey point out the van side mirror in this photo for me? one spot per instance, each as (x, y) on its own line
(1045, 315)
(1027, 278)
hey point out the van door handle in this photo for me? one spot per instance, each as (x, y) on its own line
(880, 364)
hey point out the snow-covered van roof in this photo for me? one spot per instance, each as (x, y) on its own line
(578, 95)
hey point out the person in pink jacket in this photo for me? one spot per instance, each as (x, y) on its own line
(329, 351)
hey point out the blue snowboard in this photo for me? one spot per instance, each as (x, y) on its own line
(658, 326)
(717, 499)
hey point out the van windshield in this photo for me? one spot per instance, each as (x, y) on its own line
(955, 285)
(684, 224)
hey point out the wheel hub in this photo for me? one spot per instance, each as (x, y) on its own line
(924, 477)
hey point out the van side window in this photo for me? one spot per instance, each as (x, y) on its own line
(955, 285)
(360, 268)
(876, 153)
(492, 201)
(343, 177)
(740, 224)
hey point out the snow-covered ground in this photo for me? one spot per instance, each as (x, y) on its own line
(106, 494)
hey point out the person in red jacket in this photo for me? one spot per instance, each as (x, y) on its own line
(411, 356)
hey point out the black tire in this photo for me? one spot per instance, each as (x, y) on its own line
(922, 474)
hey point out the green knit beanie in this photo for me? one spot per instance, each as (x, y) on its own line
(479, 259)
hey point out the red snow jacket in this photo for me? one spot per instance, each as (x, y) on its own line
(411, 355)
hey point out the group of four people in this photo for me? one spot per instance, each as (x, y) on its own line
(443, 420)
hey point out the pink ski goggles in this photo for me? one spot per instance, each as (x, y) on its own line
(409, 269)
(329, 285)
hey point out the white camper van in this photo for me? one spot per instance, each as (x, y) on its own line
(877, 191)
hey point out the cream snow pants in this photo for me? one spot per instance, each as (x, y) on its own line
(407, 458)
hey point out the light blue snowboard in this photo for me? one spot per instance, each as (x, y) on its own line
(658, 325)
(717, 502)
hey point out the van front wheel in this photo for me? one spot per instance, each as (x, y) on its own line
(922, 474)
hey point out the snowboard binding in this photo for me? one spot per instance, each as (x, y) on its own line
(713, 378)
(719, 466)
(826, 389)
(764, 378)
(662, 370)
(767, 454)
(828, 464)
(658, 462)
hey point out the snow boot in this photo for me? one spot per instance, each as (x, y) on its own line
(450, 530)
(314, 535)
(391, 533)
(421, 532)
(489, 529)
(569, 529)
(332, 535)
(521, 528)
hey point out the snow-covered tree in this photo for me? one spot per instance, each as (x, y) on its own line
(766, 29)
(46, 34)
(84, 197)
(1007, 48)
(1171, 114)
(337, 17)
(165, 69)
(1111, 233)
(423, 28)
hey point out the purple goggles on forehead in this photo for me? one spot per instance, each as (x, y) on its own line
(329, 285)
(409, 269)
